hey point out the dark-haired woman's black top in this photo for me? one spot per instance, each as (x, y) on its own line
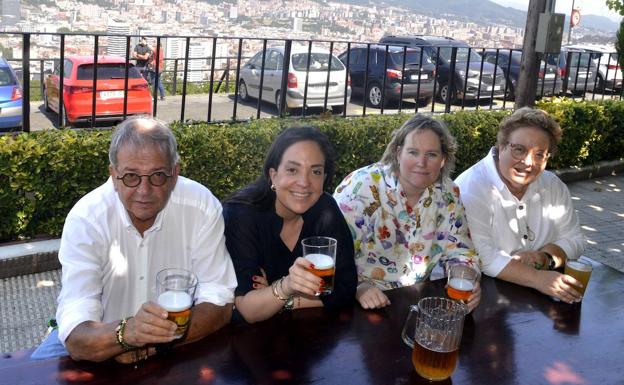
(252, 236)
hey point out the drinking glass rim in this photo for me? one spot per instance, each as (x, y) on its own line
(194, 278)
(330, 241)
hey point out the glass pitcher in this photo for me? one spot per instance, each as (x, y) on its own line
(439, 323)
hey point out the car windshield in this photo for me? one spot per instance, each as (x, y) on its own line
(107, 71)
(412, 58)
(319, 62)
(584, 56)
(462, 54)
(6, 78)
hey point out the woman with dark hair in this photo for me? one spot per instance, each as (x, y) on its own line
(266, 221)
(405, 214)
(521, 216)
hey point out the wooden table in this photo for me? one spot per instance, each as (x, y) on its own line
(516, 336)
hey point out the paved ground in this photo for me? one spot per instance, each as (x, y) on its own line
(28, 301)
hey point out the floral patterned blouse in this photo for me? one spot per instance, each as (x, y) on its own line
(396, 244)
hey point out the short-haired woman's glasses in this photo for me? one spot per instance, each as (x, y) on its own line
(519, 152)
(157, 179)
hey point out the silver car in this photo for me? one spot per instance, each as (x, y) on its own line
(319, 67)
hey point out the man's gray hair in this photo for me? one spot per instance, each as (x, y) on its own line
(144, 131)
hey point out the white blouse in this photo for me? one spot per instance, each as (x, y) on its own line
(501, 224)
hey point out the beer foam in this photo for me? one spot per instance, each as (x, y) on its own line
(175, 300)
(579, 265)
(461, 284)
(320, 261)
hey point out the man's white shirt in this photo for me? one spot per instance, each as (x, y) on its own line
(109, 269)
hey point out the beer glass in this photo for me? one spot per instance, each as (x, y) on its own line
(321, 251)
(175, 289)
(462, 280)
(581, 270)
(439, 324)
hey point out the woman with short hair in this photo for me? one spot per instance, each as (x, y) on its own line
(521, 217)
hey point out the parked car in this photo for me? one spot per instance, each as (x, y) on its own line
(10, 97)
(509, 62)
(478, 84)
(249, 83)
(580, 73)
(78, 90)
(416, 72)
(606, 59)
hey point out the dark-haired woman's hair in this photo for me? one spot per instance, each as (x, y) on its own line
(259, 193)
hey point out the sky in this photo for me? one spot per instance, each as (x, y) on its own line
(594, 7)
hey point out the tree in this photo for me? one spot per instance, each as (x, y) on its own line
(619, 43)
(616, 5)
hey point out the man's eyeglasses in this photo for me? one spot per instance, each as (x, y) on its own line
(519, 152)
(132, 179)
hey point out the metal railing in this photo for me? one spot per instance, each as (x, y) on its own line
(375, 75)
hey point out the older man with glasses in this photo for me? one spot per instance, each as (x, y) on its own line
(521, 217)
(145, 218)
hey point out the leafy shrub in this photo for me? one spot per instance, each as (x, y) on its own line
(42, 174)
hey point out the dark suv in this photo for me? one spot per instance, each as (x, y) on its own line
(414, 74)
(581, 71)
(469, 81)
(548, 82)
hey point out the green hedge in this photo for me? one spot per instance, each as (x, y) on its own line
(43, 174)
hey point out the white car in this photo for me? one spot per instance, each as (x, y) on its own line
(249, 79)
(609, 71)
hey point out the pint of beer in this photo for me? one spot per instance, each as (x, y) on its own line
(459, 288)
(435, 336)
(580, 270)
(462, 280)
(321, 252)
(178, 305)
(176, 289)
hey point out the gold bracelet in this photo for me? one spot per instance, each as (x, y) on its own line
(119, 334)
(274, 289)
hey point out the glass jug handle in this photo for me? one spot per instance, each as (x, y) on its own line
(409, 341)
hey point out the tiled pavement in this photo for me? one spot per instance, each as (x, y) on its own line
(28, 301)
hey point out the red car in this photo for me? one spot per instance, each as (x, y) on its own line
(109, 101)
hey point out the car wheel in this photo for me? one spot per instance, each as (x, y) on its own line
(511, 92)
(374, 95)
(444, 94)
(423, 102)
(64, 118)
(601, 84)
(338, 110)
(277, 104)
(46, 105)
(242, 91)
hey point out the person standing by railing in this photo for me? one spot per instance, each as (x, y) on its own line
(142, 53)
(156, 56)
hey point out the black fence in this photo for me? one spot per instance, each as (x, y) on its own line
(346, 78)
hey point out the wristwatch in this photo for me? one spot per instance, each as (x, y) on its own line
(551, 261)
(289, 304)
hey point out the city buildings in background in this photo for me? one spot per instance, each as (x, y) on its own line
(252, 19)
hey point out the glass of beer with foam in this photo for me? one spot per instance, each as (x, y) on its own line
(579, 269)
(462, 279)
(435, 336)
(321, 252)
(175, 289)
